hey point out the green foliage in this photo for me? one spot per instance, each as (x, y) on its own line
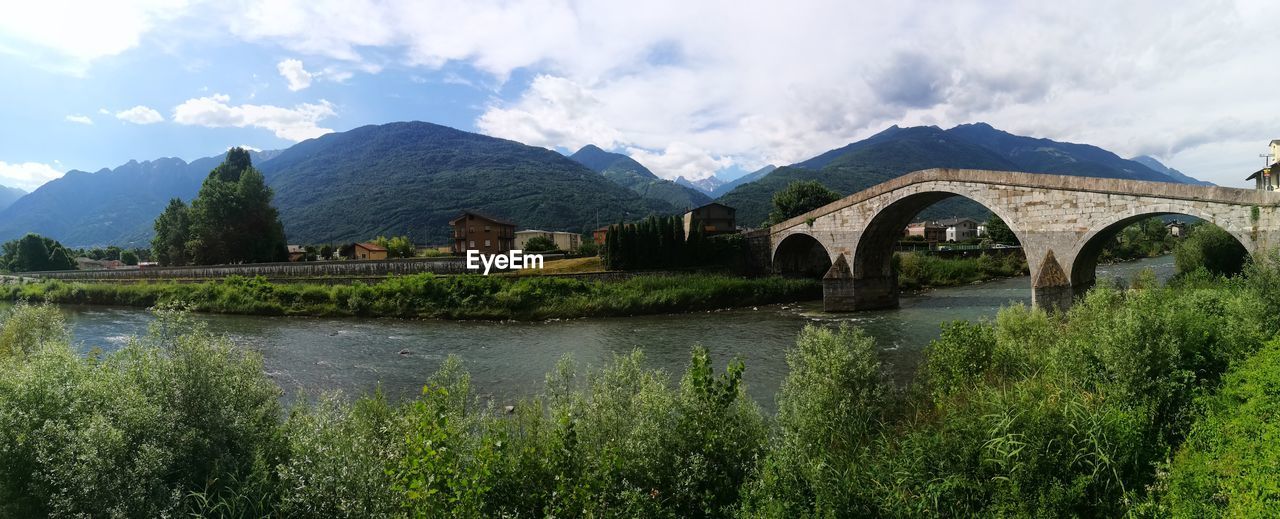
(33, 253)
(659, 242)
(135, 432)
(129, 257)
(232, 219)
(1209, 247)
(1229, 465)
(539, 244)
(999, 232)
(917, 270)
(832, 404)
(588, 248)
(1147, 238)
(428, 295)
(800, 197)
(173, 229)
(397, 246)
(1030, 415)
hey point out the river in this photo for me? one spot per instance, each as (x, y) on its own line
(509, 360)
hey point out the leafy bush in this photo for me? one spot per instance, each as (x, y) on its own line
(429, 295)
(135, 432)
(1230, 463)
(1209, 247)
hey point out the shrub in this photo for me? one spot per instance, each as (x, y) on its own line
(134, 433)
(1230, 463)
(1209, 247)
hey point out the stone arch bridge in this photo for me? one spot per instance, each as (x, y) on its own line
(1061, 221)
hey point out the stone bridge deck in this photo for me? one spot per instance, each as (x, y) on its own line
(1062, 222)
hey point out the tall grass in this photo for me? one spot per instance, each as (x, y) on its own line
(916, 270)
(1028, 415)
(431, 296)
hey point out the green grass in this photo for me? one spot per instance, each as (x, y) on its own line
(431, 296)
(917, 270)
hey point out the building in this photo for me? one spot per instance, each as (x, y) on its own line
(1264, 179)
(599, 235)
(1176, 228)
(930, 231)
(489, 235)
(713, 218)
(982, 230)
(565, 241)
(960, 229)
(297, 253)
(368, 251)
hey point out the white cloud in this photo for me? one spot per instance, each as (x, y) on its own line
(140, 115)
(26, 175)
(295, 124)
(680, 160)
(295, 74)
(759, 81)
(104, 111)
(69, 34)
(78, 119)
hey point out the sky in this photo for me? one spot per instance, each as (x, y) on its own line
(689, 89)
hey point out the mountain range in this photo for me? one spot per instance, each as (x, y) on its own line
(9, 195)
(897, 151)
(626, 172)
(410, 178)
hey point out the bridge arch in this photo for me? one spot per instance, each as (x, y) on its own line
(871, 267)
(801, 254)
(1085, 263)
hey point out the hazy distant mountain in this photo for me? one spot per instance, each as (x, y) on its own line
(749, 177)
(411, 178)
(111, 207)
(9, 195)
(705, 185)
(1158, 167)
(626, 172)
(897, 151)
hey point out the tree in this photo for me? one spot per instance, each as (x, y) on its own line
(539, 244)
(1212, 248)
(326, 252)
(34, 253)
(798, 198)
(129, 257)
(397, 247)
(232, 219)
(59, 259)
(1000, 232)
(173, 230)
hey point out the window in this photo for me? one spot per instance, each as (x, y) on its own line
(487, 229)
(487, 243)
(473, 244)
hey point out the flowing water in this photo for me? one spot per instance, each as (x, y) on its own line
(509, 360)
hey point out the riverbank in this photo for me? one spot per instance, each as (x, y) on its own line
(917, 271)
(1029, 414)
(437, 297)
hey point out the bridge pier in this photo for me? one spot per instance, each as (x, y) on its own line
(841, 292)
(1051, 289)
